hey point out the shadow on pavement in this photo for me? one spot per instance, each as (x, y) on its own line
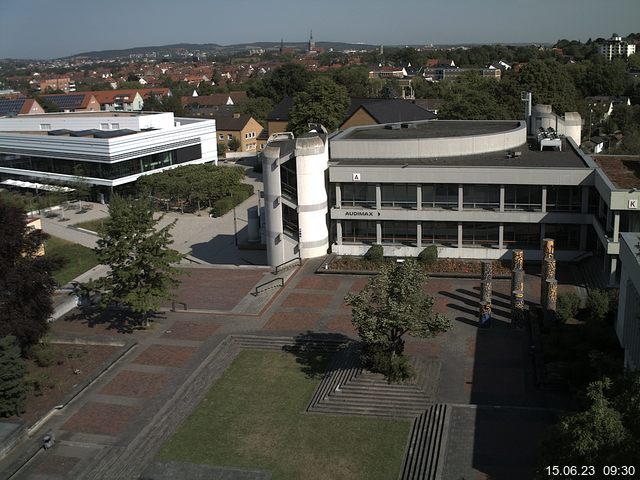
(314, 351)
(120, 320)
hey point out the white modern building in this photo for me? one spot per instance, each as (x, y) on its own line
(110, 149)
(475, 189)
(628, 321)
(616, 47)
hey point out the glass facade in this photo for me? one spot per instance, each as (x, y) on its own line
(523, 197)
(354, 231)
(108, 171)
(521, 235)
(290, 221)
(395, 232)
(440, 233)
(440, 196)
(480, 234)
(289, 183)
(399, 195)
(567, 237)
(564, 199)
(359, 195)
(486, 197)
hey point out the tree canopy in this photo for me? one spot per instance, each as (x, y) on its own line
(323, 101)
(26, 281)
(142, 272)
(392, 304)
(12, 370)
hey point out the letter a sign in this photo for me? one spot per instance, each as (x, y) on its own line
(355, 177)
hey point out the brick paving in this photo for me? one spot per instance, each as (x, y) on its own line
(191, 330)
(56, 465)
(165, 356)
(483, 367)
(136, 384)
(101, 419)
(214, 288)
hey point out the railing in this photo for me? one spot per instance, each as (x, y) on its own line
(288, 264)
(275, 283)
(174, 303)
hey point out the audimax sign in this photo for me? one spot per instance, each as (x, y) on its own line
(360, 213)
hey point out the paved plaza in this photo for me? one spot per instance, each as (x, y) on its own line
(485, 376)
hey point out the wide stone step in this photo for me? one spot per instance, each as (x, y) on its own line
(368, 411)
(348, 393)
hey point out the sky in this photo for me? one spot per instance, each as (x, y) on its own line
(41, 29)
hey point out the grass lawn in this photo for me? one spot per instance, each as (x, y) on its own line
(91, 224)
(79, 259)
(253, 418)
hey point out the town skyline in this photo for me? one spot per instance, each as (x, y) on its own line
(77, 27)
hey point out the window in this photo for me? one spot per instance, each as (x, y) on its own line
(485, 197)
(358, 195)
(567, 237)
(399, 232)
(521, 235)
(221, 137)
(45, 126)
(104, 126)
(564, 199)
(480, 234)
(358, 231)
(115, 126)
(399, 195)
(440, 196)
(523, 197)
(440, 233)
(229, 137)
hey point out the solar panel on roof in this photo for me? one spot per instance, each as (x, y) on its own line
(14, 106)
(65, 101)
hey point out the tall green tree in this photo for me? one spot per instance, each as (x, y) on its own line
(142, 272)
(323, 101)
(258, 108)
(550, 84)
(391, 305)
(12, 370)
(26, 281)
(354, 79)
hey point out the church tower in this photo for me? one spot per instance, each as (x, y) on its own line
(312, 43)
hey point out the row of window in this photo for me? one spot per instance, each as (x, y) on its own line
(515, 235)
(486, 197)
(109, 171)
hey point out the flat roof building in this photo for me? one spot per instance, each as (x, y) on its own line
(110, 149)
(475, 189)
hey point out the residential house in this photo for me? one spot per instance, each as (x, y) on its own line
(62, 83)
(73, 102)
(241, 127)
(375, 111)
(19, 106)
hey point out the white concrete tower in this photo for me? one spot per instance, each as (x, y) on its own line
(312, 157)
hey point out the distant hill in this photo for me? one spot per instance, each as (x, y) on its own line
(174, 49)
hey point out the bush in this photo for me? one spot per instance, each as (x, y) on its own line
(375, 254)
(598, 305)
(429, 255)
(567, 306)
(222, 206)
(42, 355)
(395, 368)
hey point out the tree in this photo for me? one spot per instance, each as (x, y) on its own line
(550, 84)
(222, 149)
(604, 432)
(323, 101)
(390, 89)
(80, 184)
(258, 108)
(234, 144)
(12, 370)
(167, 104)
(26, 283)
(142, 273)
(354, 79)
(391, 305)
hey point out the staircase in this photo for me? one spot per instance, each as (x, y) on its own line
(427, 444)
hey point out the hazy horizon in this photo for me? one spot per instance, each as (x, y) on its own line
(32, 29)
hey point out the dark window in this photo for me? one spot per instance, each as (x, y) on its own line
(357, 231)
(523, 197)
(521, 235)
(358, 195)
(440, 233)
(290, 221)
(481, 234)
(399, 232)
(564, 199)
(567, 237)
(288, 180)
(399, 195)
(485, 197)
(440, 196)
